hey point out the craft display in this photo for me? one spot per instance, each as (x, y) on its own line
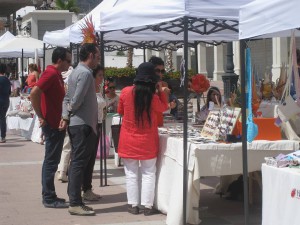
(282, 160)
(23, 109)
(220, 123)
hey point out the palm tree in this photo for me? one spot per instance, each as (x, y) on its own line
(67, 5)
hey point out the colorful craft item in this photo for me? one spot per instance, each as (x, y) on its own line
(200, 83)
(88, 31)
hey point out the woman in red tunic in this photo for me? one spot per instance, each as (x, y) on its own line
(138, 142)
(33, 76)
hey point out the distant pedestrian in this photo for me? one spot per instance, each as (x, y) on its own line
(46, 98)
(5, 91)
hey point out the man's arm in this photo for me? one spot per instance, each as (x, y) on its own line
(35, 97)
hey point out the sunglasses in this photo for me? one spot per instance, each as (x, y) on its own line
(112, 87)
(159, 71)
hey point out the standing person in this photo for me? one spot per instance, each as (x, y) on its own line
(87, 193)
(112, 99)
(46, 98)
(33, 76)
(159, 67)
(80, 111)
(5, 91)
(139, 135)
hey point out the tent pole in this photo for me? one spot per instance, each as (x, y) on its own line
(244, 132)
(22, 68)
(196, 56)
(144, 53)
(185, 119)
(44, 56)
(104, 123)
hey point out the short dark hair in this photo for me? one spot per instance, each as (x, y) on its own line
(2, 68)
(97, 69)
(86, 49)
(59, 53)
(156, 61)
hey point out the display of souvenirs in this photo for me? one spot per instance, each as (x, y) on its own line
(23, 109)
(292, 159)
(220, 123)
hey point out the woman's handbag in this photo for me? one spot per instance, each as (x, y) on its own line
(115, 133)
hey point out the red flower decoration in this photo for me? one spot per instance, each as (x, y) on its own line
(200, 83)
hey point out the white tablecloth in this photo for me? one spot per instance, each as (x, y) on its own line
(203, 160)
(19, 126)
(281, 196)
(13, 102)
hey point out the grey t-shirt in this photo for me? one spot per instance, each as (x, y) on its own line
(80, 101)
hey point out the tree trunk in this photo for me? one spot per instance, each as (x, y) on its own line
(129, 57)
(169, 61)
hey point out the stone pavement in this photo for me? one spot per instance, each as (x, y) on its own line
(21, 202)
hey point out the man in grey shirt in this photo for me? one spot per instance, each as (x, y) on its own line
(80, 111)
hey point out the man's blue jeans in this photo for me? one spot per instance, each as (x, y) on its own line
(54, 140)
(83, 142)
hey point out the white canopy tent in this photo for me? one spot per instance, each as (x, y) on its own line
(58, 38)
(185, 20)
(14, 48)
(269, 18)
(6, 36)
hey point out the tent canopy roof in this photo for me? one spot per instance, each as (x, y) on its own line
(269, 18)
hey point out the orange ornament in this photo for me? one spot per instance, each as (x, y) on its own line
(200, 83)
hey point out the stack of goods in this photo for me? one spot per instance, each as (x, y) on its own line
(24, 109)
(289, 160)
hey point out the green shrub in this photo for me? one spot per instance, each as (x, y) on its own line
(176, 74)
(119, 72)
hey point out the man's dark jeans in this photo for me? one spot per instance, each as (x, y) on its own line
(54, 140)
(3, 110)
(83, 141)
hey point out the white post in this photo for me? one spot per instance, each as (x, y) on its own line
(280, 55)
(236, 58)
(218, 62)
(202, 59)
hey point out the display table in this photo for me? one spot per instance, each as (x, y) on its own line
(13, 102)
(281, 196)
(19, 126)
(203, 160)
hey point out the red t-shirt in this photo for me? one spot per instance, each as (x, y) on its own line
(52, 85)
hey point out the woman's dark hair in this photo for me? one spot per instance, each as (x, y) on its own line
(156, 61)
(210, 91)
(97, 69)
(33, 66)
(86, 49)
(144, 92)
(2, 68)
(59, 53)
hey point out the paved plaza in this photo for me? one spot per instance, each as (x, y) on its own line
(21, 202)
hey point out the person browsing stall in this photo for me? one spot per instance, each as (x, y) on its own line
(138, 142)
(46, 98)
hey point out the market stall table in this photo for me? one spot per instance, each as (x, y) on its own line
(203, 160)
(19, 126)
(281, 195)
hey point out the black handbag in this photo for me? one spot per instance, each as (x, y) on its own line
(115, 133)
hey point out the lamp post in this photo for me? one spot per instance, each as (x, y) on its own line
(7, 25)
(19, 22)
(229, 78)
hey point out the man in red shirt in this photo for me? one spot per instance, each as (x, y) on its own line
(46, 98)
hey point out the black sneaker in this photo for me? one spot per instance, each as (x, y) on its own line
(60, 199)
(149, 212)
(56, 204)
(133, 210)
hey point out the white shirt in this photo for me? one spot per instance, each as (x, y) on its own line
(101, 105)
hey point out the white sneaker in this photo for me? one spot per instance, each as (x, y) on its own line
(62, 176)
(89, 195)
